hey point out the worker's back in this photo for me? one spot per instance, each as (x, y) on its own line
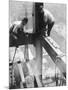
(48, 17)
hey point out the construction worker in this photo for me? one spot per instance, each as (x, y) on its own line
(16, 29)
(47, 20)
(18, 26)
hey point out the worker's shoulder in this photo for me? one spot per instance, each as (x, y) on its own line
(48, 14)
(47, 11)
(16, 23)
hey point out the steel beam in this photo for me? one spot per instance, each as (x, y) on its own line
(54, 55)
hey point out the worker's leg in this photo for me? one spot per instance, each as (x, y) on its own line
(50, 25)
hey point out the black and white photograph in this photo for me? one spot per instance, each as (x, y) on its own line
(37, 44)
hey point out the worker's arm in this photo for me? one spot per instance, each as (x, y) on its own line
(11, 29)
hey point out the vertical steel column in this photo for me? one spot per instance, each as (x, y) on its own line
(38, 62)
(37, 29)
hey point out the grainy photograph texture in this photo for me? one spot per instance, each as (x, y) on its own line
(37, 44)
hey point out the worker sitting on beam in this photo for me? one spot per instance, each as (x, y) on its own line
(16, 29)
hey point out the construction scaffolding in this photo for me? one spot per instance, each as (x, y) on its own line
(28, 73)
